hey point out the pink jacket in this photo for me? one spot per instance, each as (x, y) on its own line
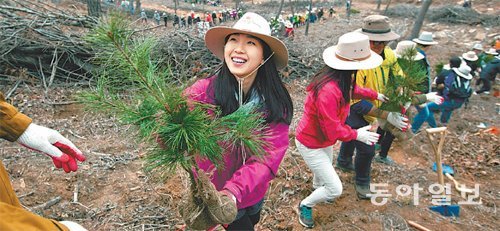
(248, 182)
(323, 122)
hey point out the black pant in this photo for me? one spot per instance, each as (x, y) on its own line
(486, 86)
(385, 142)
(362, 161)
(246, 222)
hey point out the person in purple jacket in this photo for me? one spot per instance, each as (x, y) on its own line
(325, 111)
(249, 75)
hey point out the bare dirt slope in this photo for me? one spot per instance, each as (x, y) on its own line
(114, 192)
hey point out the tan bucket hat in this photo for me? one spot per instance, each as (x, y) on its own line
(377, 28)
(405, 45)
(251, 24)
(463, 71)
(352, 53)
(425, 38)
(470, 56)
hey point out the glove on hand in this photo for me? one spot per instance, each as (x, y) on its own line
(398, 120)
(382, 98)
(366, 136)
(433, 97)
(194, 212)
(50, 142)
(221, 204)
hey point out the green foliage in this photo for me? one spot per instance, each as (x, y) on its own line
(131, 85)
(439, 67)
(354, 11)
(401, 86)
(275, 26)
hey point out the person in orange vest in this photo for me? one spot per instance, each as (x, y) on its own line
(17, 127)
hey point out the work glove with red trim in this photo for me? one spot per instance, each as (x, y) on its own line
(366, 136)
(433, 97)
(382, 97)
(63, 152)
(398, 120)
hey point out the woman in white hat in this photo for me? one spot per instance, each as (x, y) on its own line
(325, 111)
(251, 58)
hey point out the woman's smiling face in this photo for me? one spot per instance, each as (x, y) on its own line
(243, 54)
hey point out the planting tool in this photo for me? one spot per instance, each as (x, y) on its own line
(449, 173)
(445, 210)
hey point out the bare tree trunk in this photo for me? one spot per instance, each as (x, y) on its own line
(237, 4)
(176, 2)
(281, 8)
(309, 17)
(291, 7)
(387, 7)
(420, 19)
(138, 6)
(94, 8)
(378, 4)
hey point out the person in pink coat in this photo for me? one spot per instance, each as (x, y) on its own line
(251, 58)
(325, 111)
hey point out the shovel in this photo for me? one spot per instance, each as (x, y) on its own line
(449, 172)
(445, 210)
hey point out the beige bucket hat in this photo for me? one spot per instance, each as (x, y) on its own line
(377, 28)
(251, 24)
(463, 71)
(405, 45)
(352, 53)
(425, 38)
(470, 56)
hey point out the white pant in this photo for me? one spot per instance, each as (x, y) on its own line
(326, 181)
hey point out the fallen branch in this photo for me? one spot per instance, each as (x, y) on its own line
(47, 204)
(417, 226)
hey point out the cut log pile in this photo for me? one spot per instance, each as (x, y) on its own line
(44, 40)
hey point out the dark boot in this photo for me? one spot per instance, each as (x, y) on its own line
(363, 191)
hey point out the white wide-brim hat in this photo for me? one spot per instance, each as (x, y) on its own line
(491, 51)
(470, 56)
(463, 71)
(377, 28)
(251, 24)
(425, 38)
(406, 45)
(352, 53)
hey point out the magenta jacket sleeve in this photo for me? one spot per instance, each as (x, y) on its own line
(332, 115)
(364, 93)
(258, 171)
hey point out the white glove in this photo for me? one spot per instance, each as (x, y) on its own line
(72, 226)
(433, 97)
(366, 136)
(382, 98)
(398, 120)
(50, 142)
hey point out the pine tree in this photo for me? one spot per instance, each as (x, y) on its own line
(401, 88)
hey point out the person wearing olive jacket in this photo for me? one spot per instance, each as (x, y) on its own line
(17, 127)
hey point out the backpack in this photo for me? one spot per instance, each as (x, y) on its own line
(460, 88)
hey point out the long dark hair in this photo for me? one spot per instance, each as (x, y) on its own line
(267, 83)
(327, 74)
